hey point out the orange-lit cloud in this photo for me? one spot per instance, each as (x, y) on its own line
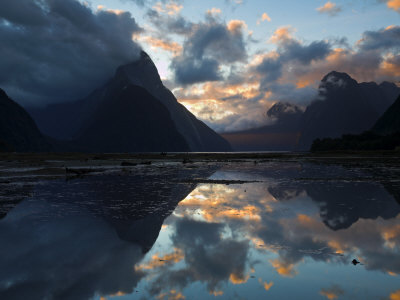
(217, 293)
(391, 235)
(329, 8)
(156, 43)
(171, 295)
(283, 268)
(225, 203)
(236, 26)
(170, 8)
(157, 261)
(395, 295)
(394, 4)
(332, 293)
(390, 68)
(238, 279)
(264, 17)
(282, 34)
(267, 286)
(118, 294)
(248, 212)
(214, 11)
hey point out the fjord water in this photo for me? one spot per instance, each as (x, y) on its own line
(276, 230)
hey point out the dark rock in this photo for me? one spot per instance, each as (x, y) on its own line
(18, 132)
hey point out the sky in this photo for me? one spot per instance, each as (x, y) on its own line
(227, 61)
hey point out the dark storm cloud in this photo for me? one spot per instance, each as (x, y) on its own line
(211, 43)
(61, 49)
(384, 39)
(189, 70)
(33, 14)
(167, 24)
(270, 68)
(290, 52)
(293, 50)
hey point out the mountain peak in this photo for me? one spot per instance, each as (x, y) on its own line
(337, 81)
(141, 72)
(334, 75)
(281, 109)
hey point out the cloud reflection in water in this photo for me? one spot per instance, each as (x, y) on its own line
(283, 231)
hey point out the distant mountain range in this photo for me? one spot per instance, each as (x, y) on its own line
(133, 112)
(342, 106)
(284, 134)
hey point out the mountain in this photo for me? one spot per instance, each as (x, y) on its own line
(283, 134)
(284, 112)
(389, 123)
(134, 111)
(384, 135)
(344, 106)
(18, 131)
(131, 120)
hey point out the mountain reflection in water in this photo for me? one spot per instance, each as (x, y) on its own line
(292, 234)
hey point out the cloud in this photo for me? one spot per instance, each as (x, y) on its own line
(205, 258)
(189, 70)
(333, 292)
(234, 3)
(329, 8)
(165, 5)
(167, 24)
(267, 286)
(395, 295)
(238, 98)
(290, 54)
(214, 11)
(62, 49)
(164, 44)
(282, 34)
(170, 8)
(264, 17)
(383, 39)
(393, 4)
(208, 46)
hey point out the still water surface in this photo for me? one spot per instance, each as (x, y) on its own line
(288, 230)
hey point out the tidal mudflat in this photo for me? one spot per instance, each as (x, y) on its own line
(200, 226)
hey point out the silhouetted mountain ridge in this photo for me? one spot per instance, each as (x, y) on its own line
(384, 135)
(342, 106)
(18, 131)
(131, 120)
(389, 123)
(86, 116)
